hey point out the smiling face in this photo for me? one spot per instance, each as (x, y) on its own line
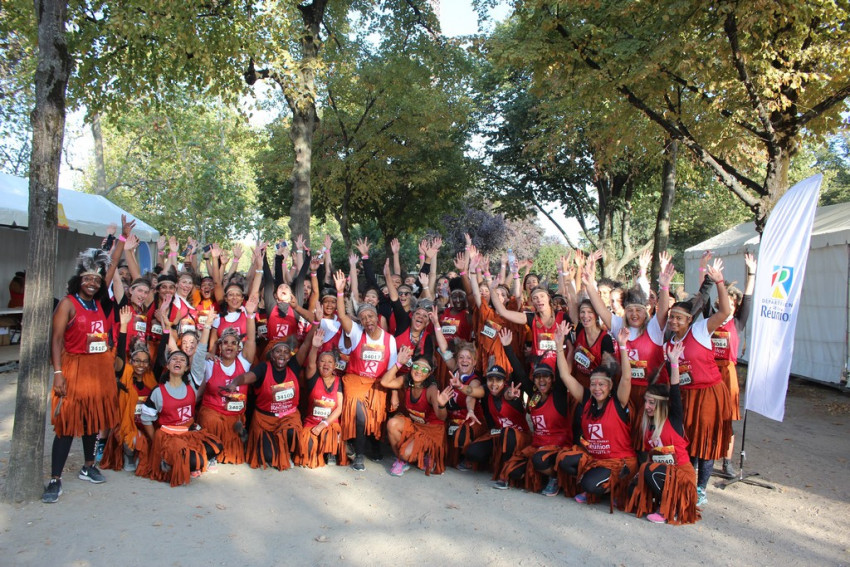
(636, 315)
(329, 306)
(280, 356)
(419, 320)
(233, 298)
(649, 405)
(404, 296)
(458, 301)
(465, 360)
(531, 282)
(283, 294)
(495, 384)
(90, 285)
(605, 294)
(207, 286)
(543, 383)
(177, 364)
(185, 285)
(678, 321)
(139, 295)
(600, 387)
(485, 293)
(371, 298)
(189, 344)
(540, 301)
(141, 361)
(420, 371)
(166, 289)
(369, 321)
(326, 364)
(587, 316)
(229, 347)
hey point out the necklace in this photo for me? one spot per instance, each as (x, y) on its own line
(89, 304)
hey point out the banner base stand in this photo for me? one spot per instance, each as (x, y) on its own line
(742, 477)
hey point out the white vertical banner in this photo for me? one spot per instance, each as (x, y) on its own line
(782, 258)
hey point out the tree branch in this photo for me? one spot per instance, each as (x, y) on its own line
(824, 105)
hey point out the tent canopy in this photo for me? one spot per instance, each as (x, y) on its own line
(85, 213)
(831, 227)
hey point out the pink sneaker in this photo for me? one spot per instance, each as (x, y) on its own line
(399, 467)
(212, 466)
(195, 474)
(581, 498)
(656, 518)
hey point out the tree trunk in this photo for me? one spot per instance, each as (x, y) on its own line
(304, 119)
(99, 163)
(24, 481)
(668, 196)
(775, 183)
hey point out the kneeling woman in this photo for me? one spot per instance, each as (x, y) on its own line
(420, 434)
(276, 423)
(177, 451)
(604, 461)
(666, 489)
(320, 441)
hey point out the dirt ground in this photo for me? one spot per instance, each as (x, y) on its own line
(338, 516)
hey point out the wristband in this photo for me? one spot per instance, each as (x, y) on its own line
(312, 274)
(340, 294)
(463, 273)
(325, 421)
(364, 257)
(676, 366)
(421, 256)
(172, 254)
(486, 274)
(252, 316)
(57, 372)
(299, 251)
(398, 365)
(317, 322)
(441, 407)
(702, 269)
(258, 271)
(516, 275)
(665, 288)
(751, 273)
(122, 238)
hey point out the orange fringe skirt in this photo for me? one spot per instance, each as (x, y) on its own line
(678, 498)
(424, 440)
(469, 431)
(277, 429)
(113, 451)
(532, 480)
(372, 395)
(708, 424)
(222, 427)
(175, 446)
(617, 486)
(730, 378)
(91, 401)
(313, 448)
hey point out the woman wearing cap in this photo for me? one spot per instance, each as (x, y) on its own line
(276, 422)
(222, 410)
(320, 441)
(419, 435)
(136, 381)
(708, 408)
(507, 428)
(592, 342)
(551, 419)
(373, 351)
(179, 450)
(666, 489)
(85, 396)
(604, 461)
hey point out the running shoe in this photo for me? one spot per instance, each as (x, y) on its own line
(130, 463)
(195, 474)
(702, 498)
(376, 454)
(331, 460)
(500, 485)
(463, 466)
(656, 518)
(399, 468)
(212, 466)
(581, 498)
(91, 474)
(729, 469)
(52, 491)
(358, 463)
(552, 488)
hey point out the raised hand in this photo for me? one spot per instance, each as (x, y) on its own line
(506, 336)
(127, 227)
(715, 271)
(460, 261)
(362, 246)
(160, 244)
(318, 338)
(300, 243)
(445, 396)
(112, 227)
(513, 392)
(424, 279)
(623, 336)
(132, 243)
(339, 281)
(353, 259)
(579, 259)
(125, 315)
(664, 259)
(751, 263)
(562, 331)
(470, 417)
(644, 260)
(674, 351)
(703, 262)
(666, 275)
(455, 381)
(327, 242)
(237, 251)
(251, 304)
(395, 246)
(173, 245)
(215, 250)
(404, 354)
(314, 263)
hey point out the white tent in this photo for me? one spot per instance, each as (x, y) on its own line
(821, 350)
(86, 217)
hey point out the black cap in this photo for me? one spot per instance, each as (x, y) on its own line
(496, 371)
(543, 368)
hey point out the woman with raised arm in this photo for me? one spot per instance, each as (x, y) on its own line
(320, 441)
(418, 436)
(666, 489)
(592, 342)
(85, 395)
(604, 461)
(372, 294)
(708, 408)
(222, 411)
(507, 428)
(283, 316)
(179, 450)
(373, 351)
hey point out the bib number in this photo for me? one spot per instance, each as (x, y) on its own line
(720, 343)
(495, 431)
(140, 326)
(664, 459)
(156, 328)
(372, 356)
(184, 328)
(449, 329)
(685, 379)
(546, 345)
(638, 373)
(489, 332)
(321, 412)
(263, 330)
(284, 395)
(97, 347)
(583, 361)
(235, 406)
(341, 364)
(139, 408)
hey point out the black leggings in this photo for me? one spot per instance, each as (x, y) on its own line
(703, 468)
(482, 451)
(592, 480)
(655, 479)
(269, 452)
(212, 450)
(61, 449)
(360, 432)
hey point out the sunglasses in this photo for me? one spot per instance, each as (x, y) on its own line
(421, 367)
(403, 293)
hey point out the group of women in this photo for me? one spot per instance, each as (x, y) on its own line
(571, 391)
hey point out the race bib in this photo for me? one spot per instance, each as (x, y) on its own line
(453, 429)
(638, 373)
(321, 412)
(139, 408)
(262, 330)
(372, 355)
(544, 345)
(202, 320)
(96, 347)
(140, 326)
(284, 395)
(449, 329)
(720, 342)
(184, 328)
(341, 364)
(235, 406)
(417, 416)
(685, 379)
(495, 431)
(156, 328)
(664, 459)
(488, 332)
(583, 360)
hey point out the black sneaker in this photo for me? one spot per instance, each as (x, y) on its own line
(376, 454)
(552, 488)
(729, 468)
(331, 460)
(91, 474)
(349, 450)
(500, 485)
(358, 463)
(52, 491)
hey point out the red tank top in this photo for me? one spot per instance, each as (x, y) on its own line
(455, 325)
(176, 412)
(669, 444)
(458, 416)
(154, 327)
(225, 403)
(88, 332)
(587, 357)
(321, 401)
(607, 437)
(507, 416)
(420, 411)
(543, 340)
(370, 359)
(281, 327)
(550, 427)
(645, 357)
(697, 368)
(241, 324)
(406, 339)
(725, 341)
(278, 399)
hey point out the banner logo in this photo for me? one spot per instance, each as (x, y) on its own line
(780, 281)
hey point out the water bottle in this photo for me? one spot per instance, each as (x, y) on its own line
(512, 260)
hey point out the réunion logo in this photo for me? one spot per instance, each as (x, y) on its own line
(780, 281)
